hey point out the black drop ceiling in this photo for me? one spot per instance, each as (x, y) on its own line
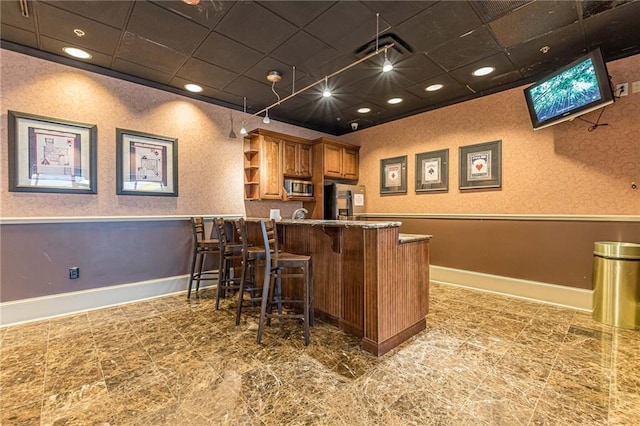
(228, 47)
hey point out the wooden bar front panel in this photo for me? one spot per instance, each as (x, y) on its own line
(365, 281)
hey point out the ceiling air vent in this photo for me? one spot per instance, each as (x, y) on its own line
(399, 45)
(493, 9)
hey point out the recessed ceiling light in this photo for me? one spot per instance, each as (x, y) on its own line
(434, 87)
(193, 87)
(394, 101)
(79, 32)
(77, 53)
(364, 110)
(483, 71)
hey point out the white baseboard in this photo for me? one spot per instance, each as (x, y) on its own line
(558, 295)
(39, 308)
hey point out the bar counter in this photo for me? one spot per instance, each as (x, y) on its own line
(369, 279)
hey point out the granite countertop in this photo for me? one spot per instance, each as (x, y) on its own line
(409, 238)
(342, 223)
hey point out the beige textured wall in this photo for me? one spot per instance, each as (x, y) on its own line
(210, 164)
(563, 169)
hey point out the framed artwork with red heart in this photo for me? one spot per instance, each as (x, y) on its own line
(480, 165)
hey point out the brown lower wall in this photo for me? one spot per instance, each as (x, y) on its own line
(35, 258)
(549, 251)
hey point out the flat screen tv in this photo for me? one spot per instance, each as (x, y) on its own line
(575, 89)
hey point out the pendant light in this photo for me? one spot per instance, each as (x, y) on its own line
(386, 65)
(243, 131)
(266, 120)
(326, 93)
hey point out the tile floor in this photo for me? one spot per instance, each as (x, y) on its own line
(483, 360)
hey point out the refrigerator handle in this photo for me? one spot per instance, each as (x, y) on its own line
(349, 203)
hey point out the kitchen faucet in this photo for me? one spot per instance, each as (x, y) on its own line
(299, 213)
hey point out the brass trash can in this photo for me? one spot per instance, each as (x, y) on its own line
(616, 284)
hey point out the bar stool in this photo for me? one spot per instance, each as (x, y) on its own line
(230, 252)
(250, 255)
(280, 265)
(201, 248)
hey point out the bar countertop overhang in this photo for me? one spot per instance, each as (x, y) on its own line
(365, 224)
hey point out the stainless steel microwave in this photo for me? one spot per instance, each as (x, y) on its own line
(298, 188)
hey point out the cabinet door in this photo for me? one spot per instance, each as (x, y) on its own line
(332, 161)
(290, 158)
(305, 162)
(270, 169)
(350, 164)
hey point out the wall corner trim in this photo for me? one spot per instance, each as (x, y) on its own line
(506, 216)
(93, 219)
(568, 297)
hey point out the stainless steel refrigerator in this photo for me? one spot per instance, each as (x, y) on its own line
(343, 201)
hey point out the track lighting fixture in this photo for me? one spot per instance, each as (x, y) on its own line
(276, 76)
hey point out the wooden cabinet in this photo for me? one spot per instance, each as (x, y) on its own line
(297, 158)
(350, 163)
(340, 161)
(269, 157)
(262, 167)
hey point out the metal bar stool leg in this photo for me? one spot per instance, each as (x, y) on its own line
(193, 269)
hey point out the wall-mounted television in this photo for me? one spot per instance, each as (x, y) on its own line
(575, 89)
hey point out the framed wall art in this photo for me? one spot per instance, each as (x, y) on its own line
(51, 155)
(146, 164)
(481, 165)
(393, 175)
(432, 171)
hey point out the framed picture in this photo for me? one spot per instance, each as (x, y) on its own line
(393, 175)
(51, 155)
(146, 164)
(481, 165)
(432, 171)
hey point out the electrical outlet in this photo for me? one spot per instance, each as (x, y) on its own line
(635, 87)
(622, 89)
(74, 273)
